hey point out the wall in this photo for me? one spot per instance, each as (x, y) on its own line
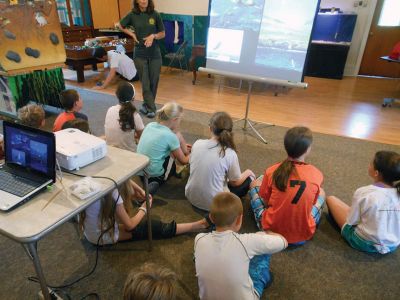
(360, 36)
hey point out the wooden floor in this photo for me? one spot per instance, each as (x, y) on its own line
(350, 107)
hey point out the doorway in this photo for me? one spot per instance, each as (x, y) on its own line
(383, 35)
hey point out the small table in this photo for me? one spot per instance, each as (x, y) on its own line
(197, 51)
(29, 223)
(389, 101)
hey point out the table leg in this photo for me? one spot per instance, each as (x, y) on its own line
(31, 250)
(79, 72)
(193, 68)
(148, 208)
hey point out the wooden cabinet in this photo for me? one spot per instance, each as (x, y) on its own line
(76, 19)
(125, 6)
(105, 13)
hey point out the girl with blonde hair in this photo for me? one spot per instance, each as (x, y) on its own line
(162, 142)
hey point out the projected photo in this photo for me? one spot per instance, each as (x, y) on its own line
(285, 34)
(224, 44)
(236, 14)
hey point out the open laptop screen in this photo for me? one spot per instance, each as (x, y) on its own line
(30, 148)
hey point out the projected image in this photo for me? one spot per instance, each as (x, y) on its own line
(236, 14)
(285, 33)
(224, 44)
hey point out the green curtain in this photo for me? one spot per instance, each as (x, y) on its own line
(42, 87)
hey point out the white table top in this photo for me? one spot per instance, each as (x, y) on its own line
(29, 222)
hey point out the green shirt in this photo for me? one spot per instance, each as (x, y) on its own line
(145, 24)
(157, 142)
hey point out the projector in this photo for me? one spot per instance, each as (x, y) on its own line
(76, 149)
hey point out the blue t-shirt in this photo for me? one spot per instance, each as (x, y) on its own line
(157, 142)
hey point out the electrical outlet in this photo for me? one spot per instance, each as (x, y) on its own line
(355, 4)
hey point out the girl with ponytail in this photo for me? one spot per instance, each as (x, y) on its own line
(214, 165)
(123, 125)
(289, 199)
(163, 143)
(372, 222)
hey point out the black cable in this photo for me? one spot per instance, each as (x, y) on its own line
(35, 279)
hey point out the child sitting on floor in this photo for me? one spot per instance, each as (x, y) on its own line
(231, 265)
(162, 143)
(77, 123)
(32, 115)
(150, 282)
(112, 214)
(72, 103)
(123, 125)
(372, 223)
(214, 165)
(289, 200)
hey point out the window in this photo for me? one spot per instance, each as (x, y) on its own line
(390, 14)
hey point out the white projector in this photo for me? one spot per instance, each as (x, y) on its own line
(76, 149)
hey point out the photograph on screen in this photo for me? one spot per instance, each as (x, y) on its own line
(285, 34)
(273, 42)
(236, 14)
(225, 44)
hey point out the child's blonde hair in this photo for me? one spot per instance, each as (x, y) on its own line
(169, 111)
(225, 208)
(150, 282)
(31, 115)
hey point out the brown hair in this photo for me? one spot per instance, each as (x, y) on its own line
(149, 9)
(77, 123)
(150, 282)
(225, 208)
(297, 140)
(68, 99)
(221, 126)
(126, 93)
(387, 163)
(31, 115)
(107, 209)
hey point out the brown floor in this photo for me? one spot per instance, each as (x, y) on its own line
(350, 107)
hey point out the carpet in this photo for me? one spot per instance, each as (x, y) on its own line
(324, 268)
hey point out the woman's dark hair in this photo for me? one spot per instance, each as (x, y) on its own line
(126, 93)
(387, 163)
(221, 126)
(149, 9)
(297, 140)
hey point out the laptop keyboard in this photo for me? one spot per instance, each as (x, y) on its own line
(17, 186)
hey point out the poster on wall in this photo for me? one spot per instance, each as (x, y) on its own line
(7, 101)
(179, 7)
(30, 34)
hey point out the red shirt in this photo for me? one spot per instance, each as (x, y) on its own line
(61, 119)
(289, 212)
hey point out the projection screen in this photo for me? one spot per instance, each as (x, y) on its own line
(260, 38)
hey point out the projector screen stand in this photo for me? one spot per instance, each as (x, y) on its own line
(249, 122)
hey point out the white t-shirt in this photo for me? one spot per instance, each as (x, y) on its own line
(124, 65)
(209, 172)
(376, 212)
(91, 224)
(114, 134)
(222, 262)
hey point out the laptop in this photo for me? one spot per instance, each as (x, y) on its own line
(29, 166)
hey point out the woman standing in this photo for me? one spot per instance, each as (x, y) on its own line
(147, 29)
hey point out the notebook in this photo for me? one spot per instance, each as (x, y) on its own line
(29, 167)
